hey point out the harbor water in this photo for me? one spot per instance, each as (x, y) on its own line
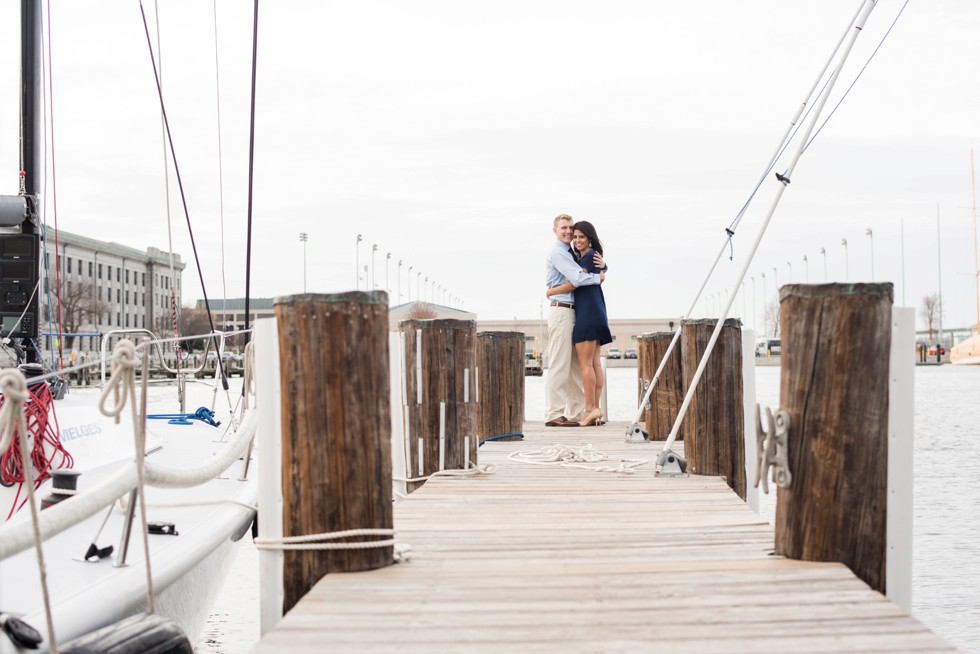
(946, 528)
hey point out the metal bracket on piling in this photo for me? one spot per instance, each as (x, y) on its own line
(773, 449)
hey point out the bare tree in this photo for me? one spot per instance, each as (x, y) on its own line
(80, 306)
(772, 316)
(421, 311)
(930, 311)
(194, 321)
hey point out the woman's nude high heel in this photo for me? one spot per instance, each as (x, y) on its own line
(594, 417)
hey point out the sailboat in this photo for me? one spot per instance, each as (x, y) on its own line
(967, 353)
(113, 525)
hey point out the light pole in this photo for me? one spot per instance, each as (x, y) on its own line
(374, 248)
(427, 293)
(823, 251)
(775, 277)
(806, 270)
(357, 264)
(410, 284)
(387, 261)
(302, 239)
(871, 240)
(765, 318)
(790, 271)
(399, 281)
(847, 272)
(418, 290)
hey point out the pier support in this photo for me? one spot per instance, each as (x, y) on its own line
(500, 384)
(668, 395)
(834, 386)
(713, 427)
(440, 374)
(336, 427)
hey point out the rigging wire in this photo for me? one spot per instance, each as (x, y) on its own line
(251, 171)
(857, 77)
(166, 186)
(54, 196)
(221, 182)
(183, 197)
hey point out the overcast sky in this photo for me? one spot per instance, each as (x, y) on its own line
(451, 133)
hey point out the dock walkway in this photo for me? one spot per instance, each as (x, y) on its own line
(541, 558)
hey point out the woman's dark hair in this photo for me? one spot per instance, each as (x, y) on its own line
(586, 228)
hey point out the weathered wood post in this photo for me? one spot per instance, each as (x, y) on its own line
(714, 428)
(668, 395)
(834, 386)
(336, 428)
(440, 374)
(500, 384)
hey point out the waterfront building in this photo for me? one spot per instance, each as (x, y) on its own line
(104, 286)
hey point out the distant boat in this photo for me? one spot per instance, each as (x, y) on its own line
(967, 353)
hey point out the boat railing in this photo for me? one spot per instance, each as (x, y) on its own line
(156, 344)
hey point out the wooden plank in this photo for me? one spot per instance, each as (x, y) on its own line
(544, 558)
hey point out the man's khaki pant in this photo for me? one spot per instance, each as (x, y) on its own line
(564, 395)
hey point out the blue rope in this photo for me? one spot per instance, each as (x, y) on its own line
(499, 436)
(203, 414)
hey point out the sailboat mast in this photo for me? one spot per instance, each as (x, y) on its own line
(976, 259)
(31, 149)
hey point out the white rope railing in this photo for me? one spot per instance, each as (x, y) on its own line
(402, 552)
(15, 538)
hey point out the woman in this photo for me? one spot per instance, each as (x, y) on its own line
(591, 323)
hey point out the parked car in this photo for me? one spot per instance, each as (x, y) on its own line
(767, 347)
(614, 353)
(630, 354)
(932, 350)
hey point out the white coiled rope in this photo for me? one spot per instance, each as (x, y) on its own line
(402, 552)
(572, 457)
(248, 374)
(485, 469)
(13, 422)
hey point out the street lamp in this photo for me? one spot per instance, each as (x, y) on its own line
(765, 318)
(427, 293)
(806, 270)
(871, 240)
(302, 238)
(418, 284)
(790, 271)
(357, 264)
(410, 284)
(823, 251)
(374, 248)
(775, 276)
(387, 261)
(847, 272)
(399, 281)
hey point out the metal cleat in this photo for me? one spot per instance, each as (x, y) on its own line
(671, 464)
(636, 434)
(773, 449)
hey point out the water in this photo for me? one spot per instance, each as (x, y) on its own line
(946, 530)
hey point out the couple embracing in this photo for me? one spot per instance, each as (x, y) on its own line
(577, 325)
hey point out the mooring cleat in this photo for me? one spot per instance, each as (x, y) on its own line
(636, 434)
(671, 464)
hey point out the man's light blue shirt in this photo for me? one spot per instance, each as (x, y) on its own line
(561, 267)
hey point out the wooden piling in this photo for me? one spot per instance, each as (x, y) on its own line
(500, 384)
(713, 428)
(440, 375)
(836, 340)
(336, 430)
(668, 395)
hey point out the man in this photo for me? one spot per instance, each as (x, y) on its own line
(564, 397)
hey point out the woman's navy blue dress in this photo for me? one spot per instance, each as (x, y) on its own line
(591, 322)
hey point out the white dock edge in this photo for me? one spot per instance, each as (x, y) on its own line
(269, 440)
(901, 414)
(399, 445)
(748, 410)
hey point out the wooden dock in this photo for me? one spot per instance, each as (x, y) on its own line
(537, 558)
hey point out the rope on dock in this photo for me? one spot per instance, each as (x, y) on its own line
(308, 542)
(487, 469)
(571, 457)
